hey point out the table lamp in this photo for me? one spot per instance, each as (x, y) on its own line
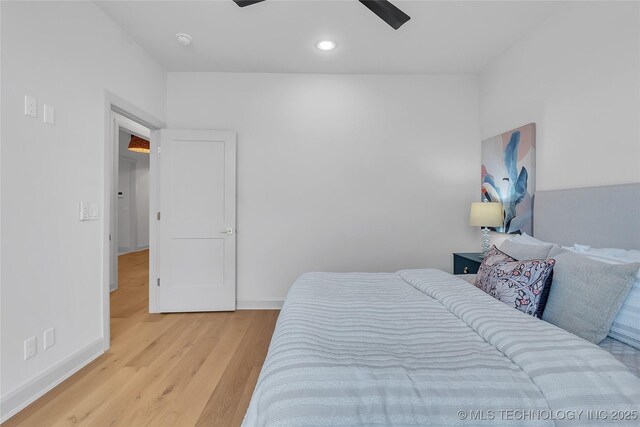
(486, 214)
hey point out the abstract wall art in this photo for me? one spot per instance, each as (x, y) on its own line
(508, 176)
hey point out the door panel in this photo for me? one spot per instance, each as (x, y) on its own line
(197, 196)
(198, 191)
(198, 261)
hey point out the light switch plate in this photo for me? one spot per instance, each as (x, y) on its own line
(49, 115)
(93, 210)
(84, 211)
(88, 211)
(30, 106)
(30, 347)
(49, 338)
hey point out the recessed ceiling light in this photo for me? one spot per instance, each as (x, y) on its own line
(184, 39)
(326, 45)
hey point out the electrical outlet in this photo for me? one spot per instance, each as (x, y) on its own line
(30, 106)
(30, 347)
(49, 338)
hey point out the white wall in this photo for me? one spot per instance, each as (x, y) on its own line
(340, 172)
(578, 77)
(65, 54)
(139, 221)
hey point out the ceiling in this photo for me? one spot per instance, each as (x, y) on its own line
(279, 36)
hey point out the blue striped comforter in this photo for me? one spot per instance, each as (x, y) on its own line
(422, 347)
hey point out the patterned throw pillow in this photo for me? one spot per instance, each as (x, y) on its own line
(494, 256)
(520, 284)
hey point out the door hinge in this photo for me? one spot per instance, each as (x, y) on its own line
(158, 283)
(158, 216)
(159, 149)
(109, 237)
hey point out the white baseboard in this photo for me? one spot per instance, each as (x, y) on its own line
(16, 400)
(275, 304)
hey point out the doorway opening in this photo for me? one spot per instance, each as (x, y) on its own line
(130, 204)
(191, 261)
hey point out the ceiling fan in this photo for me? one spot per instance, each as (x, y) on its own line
(384, 9)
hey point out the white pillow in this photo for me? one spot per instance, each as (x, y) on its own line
(524, 238)
(613, 254)
(525, 251)
(626, 325)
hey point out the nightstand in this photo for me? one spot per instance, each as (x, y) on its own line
(466, 263)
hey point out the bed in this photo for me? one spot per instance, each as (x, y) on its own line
(424, 347)
(626, 354)
(601, 217)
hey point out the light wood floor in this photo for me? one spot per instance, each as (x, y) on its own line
(191, 369)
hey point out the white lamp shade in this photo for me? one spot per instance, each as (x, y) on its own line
(486, 214)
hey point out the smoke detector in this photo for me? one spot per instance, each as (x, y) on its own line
(184, 39)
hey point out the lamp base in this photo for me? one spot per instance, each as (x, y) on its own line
(485, 241)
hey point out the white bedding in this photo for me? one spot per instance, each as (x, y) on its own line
(625, 353)
(422, 347)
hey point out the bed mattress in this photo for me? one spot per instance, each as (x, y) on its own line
(422, 347)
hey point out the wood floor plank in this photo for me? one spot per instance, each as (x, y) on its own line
(150, 353)
(245, 399)
(162, 369)
(188, 405)
(98, 412)
(81, 413)
(222, 405)
(160, 392)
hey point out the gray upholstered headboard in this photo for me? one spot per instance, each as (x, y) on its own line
(602, 217)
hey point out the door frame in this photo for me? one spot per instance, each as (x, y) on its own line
(154, 208)
(130, 114)
(118, 122)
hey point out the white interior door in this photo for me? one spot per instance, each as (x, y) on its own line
(196, 246)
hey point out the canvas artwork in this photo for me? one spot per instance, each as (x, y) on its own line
(508, 176)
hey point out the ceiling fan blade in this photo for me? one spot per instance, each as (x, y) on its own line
(387, 12)
(243, 3)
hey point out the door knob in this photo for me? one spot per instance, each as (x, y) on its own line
(227, 231)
